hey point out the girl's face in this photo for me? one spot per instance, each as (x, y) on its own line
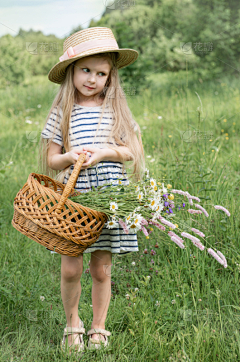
(90, 76)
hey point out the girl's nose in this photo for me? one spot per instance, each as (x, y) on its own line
(92, 78)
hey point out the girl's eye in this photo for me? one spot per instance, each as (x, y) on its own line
(88, 69)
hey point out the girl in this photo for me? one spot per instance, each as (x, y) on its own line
(90, 115)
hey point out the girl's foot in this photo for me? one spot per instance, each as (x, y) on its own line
(75, 337)
(98, 337)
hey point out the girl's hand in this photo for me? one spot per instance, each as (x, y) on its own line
(97, 155)
(73, 155)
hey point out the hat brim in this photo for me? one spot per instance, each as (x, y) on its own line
(126, 57)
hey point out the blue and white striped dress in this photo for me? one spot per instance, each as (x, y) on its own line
(83, 127)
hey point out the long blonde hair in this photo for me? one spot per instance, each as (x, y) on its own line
(113, 95)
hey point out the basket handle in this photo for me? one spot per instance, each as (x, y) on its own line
(71, 182)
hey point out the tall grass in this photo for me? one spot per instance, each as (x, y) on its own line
(188, 310)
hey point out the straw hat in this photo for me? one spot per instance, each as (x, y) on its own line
(87, 42)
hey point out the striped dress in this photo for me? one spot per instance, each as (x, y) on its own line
(82, 132)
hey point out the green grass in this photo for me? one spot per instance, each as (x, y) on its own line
(189, 309)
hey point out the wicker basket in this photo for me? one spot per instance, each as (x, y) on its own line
(43, 212)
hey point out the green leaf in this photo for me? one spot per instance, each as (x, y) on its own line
(195, 328)
(222, 227)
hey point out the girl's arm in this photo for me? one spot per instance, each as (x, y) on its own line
(59, 161)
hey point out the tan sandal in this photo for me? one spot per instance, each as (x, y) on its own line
(80, 330)
(97, 344)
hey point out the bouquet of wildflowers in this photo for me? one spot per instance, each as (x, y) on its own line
(143, 205)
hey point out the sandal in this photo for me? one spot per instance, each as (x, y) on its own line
(97, 344)
(71, 330)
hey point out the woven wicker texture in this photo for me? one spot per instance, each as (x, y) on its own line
(43, 212)
(126, 56)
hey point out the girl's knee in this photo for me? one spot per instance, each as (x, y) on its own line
(100, 265)
(100, 272)
(71, 268)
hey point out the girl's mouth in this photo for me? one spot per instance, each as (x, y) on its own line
(88, 87)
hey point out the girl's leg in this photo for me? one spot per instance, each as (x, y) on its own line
(100, 269)
(71, 271)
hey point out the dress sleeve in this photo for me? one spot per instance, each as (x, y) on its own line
(50, 125)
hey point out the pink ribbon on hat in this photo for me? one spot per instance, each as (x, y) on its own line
(87, 45)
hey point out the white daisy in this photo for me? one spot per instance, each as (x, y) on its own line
(112, 224)
(153, 204)
(137, 222)
(128, 219)
(152, 182)
(113, 206)
(140, 196)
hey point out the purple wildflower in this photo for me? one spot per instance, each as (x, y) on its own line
(173, 238)
(198, 232)
(171, 233)
(166, 222)
(159, 226)
(218, 207)
(144, 230)
(124, 226)
(144, 222)
(203, 210)
(215, 255)
(191, 211)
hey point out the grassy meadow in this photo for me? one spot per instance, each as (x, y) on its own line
(188, 310)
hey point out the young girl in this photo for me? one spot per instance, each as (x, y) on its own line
(90, 115)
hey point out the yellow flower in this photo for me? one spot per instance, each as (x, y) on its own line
(212, 150)
(151, 229)
(234, 123)
(155, 188)
(171, 197)
(224, 120)
(203, 153)
(159, 183)
(226, 134)
(210, 140)
(147, 237)
(170, 135)
(227, 138)
(169, 186)
(176, 225)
